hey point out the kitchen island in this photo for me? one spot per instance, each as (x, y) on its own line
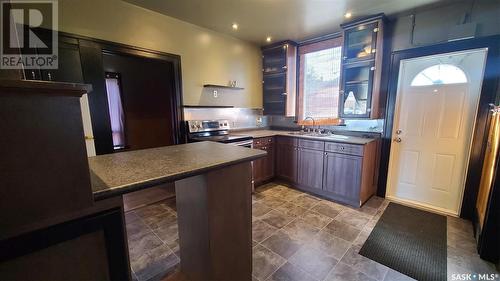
(213, 195)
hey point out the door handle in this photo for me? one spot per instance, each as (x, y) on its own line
(397, 139)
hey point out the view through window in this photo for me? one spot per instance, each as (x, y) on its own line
(319, 80)
(116, 114)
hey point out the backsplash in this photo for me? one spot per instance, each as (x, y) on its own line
(239, 118)
(356, 125)
(253, 118)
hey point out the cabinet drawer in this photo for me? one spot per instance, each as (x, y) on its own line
(353, 149)
(311, 144)
(263, 141)
(286, 140)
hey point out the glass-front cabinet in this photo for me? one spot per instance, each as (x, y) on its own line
(274, 60)
(279, 78)
(360, 43)
(274, 88)
(361, 83)
(357, 91)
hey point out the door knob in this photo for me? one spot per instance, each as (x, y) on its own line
(397, 139)
(398, 132)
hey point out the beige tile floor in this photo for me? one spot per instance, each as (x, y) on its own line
(296, 236)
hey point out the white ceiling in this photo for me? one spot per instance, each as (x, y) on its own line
(282, 19)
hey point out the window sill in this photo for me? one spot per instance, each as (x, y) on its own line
(322, 121)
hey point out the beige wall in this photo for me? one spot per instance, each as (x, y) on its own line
(207, 57)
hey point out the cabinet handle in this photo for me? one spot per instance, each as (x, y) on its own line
(372, 68)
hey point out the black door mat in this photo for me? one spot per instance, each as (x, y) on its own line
(410, 241)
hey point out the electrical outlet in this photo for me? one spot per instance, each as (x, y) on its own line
(258, 121)
(216, 94)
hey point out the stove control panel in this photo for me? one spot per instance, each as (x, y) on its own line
(195, 126)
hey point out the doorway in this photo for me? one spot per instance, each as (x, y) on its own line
(146, 97)
(436, 105)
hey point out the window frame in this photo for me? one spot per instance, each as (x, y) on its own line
(304, 49)
(117, 76)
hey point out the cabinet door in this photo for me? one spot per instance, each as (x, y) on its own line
(360, 42)
(268, 171)
(274, 90)
(70, 67)
(257, 166)
(310, 168)
(342, 176)
(286, 167)
(274, 59)
(356, 94)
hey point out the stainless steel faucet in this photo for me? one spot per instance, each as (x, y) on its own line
(309, 117)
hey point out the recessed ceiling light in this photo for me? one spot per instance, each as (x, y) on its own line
(348, 15)
(235, 26)
(268, 39)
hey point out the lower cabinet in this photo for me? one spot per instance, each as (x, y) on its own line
(286, 159)
(342, 176)
(310, 168)
(263, 168)
(340, 171)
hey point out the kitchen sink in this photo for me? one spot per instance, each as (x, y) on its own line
(311, 134)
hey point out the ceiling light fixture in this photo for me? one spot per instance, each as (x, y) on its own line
(268, 39)
(235, 26)
(348, 15)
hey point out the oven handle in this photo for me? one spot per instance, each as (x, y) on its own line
(243, 143)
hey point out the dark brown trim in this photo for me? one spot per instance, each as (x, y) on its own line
(120, 49)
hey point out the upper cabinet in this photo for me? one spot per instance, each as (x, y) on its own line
(279, 78)
(362, 59)
(69, 65)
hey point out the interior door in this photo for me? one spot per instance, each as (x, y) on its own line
(436, 105)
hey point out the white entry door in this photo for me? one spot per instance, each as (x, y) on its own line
(436, 106)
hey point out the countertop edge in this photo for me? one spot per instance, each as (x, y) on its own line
(118, 191)
(273, 133)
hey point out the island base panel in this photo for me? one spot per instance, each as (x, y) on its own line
(215, 224)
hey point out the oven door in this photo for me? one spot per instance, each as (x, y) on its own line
(245, 143)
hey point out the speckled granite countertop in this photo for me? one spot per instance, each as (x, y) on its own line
(123, 172)
(271, 133)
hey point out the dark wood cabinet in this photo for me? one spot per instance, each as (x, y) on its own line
(361, 87)
(279, 78)
(342, 176)
(69, 67)
(343, 172)
(263, 168)
(56, 229)
(310, 168)
(286, 158)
